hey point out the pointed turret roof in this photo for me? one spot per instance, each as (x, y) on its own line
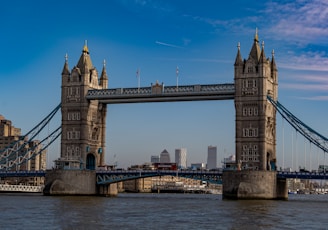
(66, 68)
(104, 78)
(255, 51)
(85, 63)
(104, 75)
(262, 57)
(239, 59)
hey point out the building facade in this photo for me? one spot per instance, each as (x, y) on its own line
(255, 79)
(154, 159)
(211, 157)
(181, 158)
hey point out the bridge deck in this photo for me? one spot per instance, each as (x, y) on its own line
(161, 93)
(102, 176)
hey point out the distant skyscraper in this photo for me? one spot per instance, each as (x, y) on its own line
(154, 159)
(165, 157)
(181, 158)
(211, 157)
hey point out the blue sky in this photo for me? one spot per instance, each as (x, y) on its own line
(156, 36)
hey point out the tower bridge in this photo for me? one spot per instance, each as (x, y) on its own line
(84, 100)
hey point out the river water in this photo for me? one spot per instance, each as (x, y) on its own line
(160, 211)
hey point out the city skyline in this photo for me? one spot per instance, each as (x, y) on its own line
(145, 41)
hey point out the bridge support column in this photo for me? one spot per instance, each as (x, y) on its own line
(108, 189)
(253, 185)
(70, 182)
(282, 189)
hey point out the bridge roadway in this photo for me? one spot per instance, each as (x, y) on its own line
(107, 177)
(112, 176)
(161, 93)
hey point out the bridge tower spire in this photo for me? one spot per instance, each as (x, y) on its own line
(83, 121)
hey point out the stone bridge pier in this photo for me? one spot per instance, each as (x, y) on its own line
(76, 182)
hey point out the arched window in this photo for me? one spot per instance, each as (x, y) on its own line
(91, 162)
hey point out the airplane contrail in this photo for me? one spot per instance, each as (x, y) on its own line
(167, 44)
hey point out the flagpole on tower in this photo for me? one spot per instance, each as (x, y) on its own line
(138, 77)
(177, 74)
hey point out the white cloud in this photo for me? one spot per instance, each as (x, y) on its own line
(302, 21)
(313, 61)
(305, 86)
(315, 98)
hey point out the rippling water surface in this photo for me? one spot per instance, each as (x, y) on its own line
(161, 211)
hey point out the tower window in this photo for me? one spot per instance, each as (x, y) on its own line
(250, 84)
(245, 111)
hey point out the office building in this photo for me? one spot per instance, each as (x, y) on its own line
(211, 157)
(154, 159)
(165, 157)
(181, 158)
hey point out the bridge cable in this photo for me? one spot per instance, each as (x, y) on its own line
(314, 137)
(17, 146)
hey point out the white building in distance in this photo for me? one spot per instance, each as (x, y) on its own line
(198, 166)
(211, 157)
(181, 158)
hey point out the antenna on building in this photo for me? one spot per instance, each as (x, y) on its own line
(177, 75)
(138, 77)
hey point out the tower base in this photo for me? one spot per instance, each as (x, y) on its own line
(70, 182)
(253, 185)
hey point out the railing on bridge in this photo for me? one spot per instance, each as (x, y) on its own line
(40, 173)
(20, 188)
(302, 175)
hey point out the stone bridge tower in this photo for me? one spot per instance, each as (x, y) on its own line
(255, 78)
(83, 121)
(255, 176)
